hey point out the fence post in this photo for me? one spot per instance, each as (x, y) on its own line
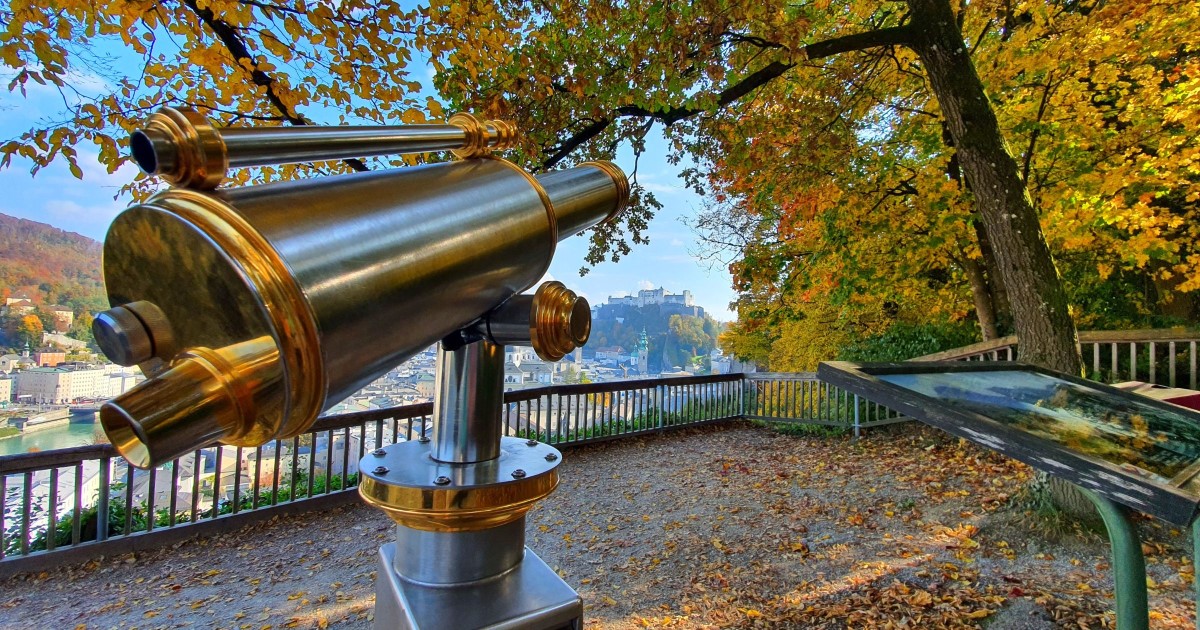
(857, 425)
(660, 395)
(102, 501)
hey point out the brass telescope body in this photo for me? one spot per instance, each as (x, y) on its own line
(252, 310)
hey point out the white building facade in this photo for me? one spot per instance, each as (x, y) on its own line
(61, 386)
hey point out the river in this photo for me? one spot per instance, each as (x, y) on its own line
(62, 436)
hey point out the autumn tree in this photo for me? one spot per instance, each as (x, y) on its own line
(26, 330)
(814, 91)
(1113, 194)
(239, 62)
(689, 332)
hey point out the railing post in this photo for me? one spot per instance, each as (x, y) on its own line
(102, 500)
(857, 425)
(660, 395)
(739, 393)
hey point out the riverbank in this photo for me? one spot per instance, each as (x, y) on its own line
(62, 435)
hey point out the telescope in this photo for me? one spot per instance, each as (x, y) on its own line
(252, 310)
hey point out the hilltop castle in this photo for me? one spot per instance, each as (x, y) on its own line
(648, 297)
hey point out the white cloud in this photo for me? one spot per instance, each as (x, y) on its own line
(90, 220)
(676, 243)
(654, 182)
(645, 284)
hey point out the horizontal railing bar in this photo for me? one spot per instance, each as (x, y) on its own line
(781, 376)
(1085, 337)
(616, 386)
(22, 462)
(353, 419)
(1150, 334)
(968, 350)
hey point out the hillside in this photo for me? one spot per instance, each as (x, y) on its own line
(673, 338)
(52, 265)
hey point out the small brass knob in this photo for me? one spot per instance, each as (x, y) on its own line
(560, 321)
(133, 333)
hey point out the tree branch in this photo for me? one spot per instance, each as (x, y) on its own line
(1037, 129)
(668, 116)
(891, 36)
(237, 48)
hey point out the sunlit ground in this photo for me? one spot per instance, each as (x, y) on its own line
(732, 526)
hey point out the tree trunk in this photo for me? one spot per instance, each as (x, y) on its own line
(1000, 305)
(1039, 303)
(1044, 328)
(984, 308)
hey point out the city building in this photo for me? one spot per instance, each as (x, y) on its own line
(6, 390)
(63, 317)
(612, 353)
(49, 357)
(64, 385)
(10, 362)
(19, 303)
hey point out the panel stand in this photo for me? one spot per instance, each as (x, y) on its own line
(1196, 563)
(1129, 565)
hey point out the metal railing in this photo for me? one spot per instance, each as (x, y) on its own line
(1163, 357)
(800, 398)
(75, 504)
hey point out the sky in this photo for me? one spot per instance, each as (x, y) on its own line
(671, 260)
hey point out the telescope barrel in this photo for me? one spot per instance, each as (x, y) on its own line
(343, 277)
(186, 149)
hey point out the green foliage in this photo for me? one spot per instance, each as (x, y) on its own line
(801, 429)
(903, 341)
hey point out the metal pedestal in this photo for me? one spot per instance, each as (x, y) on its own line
(459, 500)
(531, 596)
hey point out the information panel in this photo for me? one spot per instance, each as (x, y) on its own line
(1136, 451)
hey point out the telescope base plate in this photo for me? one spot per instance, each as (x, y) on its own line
(529, 597)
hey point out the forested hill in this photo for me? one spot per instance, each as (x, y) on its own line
(675, 340)
(51, 265)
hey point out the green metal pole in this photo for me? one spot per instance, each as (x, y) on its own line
(1196, 563)
(1129, 566)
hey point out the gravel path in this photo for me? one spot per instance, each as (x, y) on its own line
(731, 526)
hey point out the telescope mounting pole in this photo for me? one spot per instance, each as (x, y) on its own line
(459, 496)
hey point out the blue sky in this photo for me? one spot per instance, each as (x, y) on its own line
(87, 206)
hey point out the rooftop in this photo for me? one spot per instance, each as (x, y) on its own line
(729, 525)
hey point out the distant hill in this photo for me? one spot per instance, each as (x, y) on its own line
(52, 265)
(670, 344)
